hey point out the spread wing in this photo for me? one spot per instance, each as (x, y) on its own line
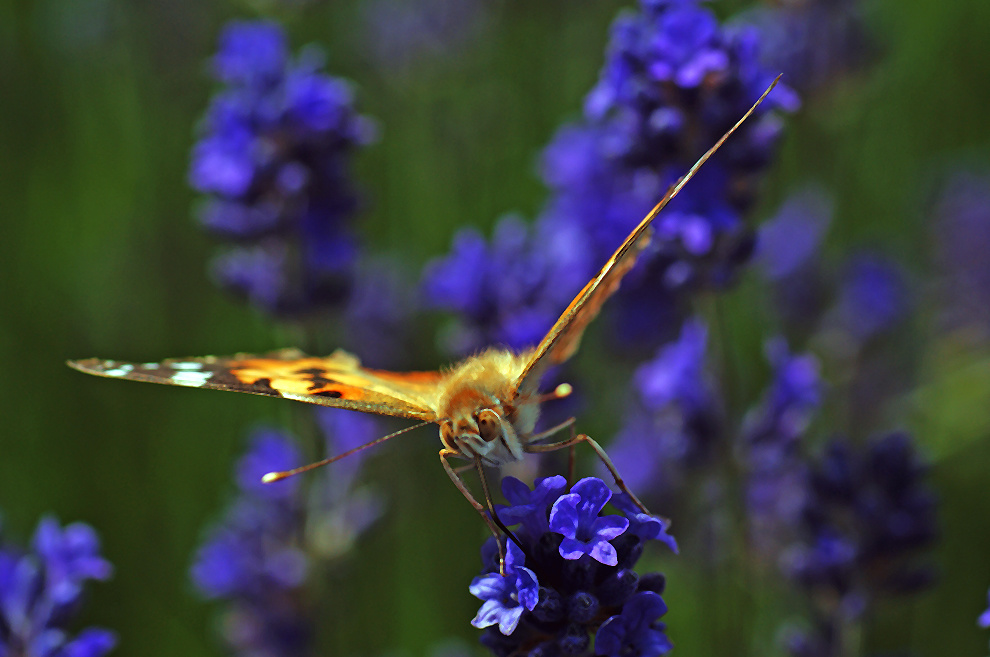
(565, 335)
(337, 380)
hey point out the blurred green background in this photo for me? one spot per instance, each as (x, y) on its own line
(100, 256)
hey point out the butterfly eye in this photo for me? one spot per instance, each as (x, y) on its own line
(489, 425)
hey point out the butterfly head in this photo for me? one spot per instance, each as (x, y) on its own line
(486, 434)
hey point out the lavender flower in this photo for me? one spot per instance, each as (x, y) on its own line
(505, 597)
(788, 251)
(814, 42)
(403, 33)
(770, 451)
(512, 291)
(637, 630)
(342, 509)
(41, 590)
(984, 619)
(254, 561)
(273, 158)
(575, 517)
(674, 421)
(866, 516)
(673, 82)
(258, 558)
(873, 297)
(558, 591)
(962, 219)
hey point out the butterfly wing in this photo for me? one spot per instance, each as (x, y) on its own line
(337, 380)
(565, 335)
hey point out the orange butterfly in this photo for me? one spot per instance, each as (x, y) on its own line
(486, 406)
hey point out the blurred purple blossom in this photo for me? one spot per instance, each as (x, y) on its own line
(770, 451)
(789, 254)
(873, 297)
(984, 619)
(674, 419)
(272, 159)
(867, 517)
(962, 237)
(379, 314)
(399, 34)
(511, 291)
(41, 590)
(253, 560)
(673, 83)
(814, 42)
(257, 558)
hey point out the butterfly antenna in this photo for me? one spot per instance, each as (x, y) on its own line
(272, 477)
(561, 391)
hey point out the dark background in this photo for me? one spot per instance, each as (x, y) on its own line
(99, 256)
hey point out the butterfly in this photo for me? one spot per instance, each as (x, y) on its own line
(486, 406)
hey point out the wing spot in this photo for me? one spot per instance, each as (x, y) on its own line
(186, 367)
(123, 370)
(333, 394)
(264, 386)
(314, 371)
(318, 382)
(196, 379)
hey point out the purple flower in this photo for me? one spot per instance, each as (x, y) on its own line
(794, 394)
(505, 598)
(984, 619)
(530, 508)
(256, 560)
(865, 517)
(253, 561)
(269, 452)
(637, 631)
(769, 446)
(673, 82)
(789, 254)
(574, 595)
(873, 297)
(378, 315)
(643, 525)
(793, 237)
(41, 591)
(674, 420)
(403, 33)
(575, 517)
(814, 43)
(961, 212)
(273, 160)
(676, 375)
(251, 54)
(511, 291)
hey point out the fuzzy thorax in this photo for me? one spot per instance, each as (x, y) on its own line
(480, 414)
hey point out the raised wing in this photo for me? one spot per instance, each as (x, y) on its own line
(337, 380)
(565, 335)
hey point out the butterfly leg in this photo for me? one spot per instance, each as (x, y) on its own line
(482, 511)
(602, 456)
(557, 428)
